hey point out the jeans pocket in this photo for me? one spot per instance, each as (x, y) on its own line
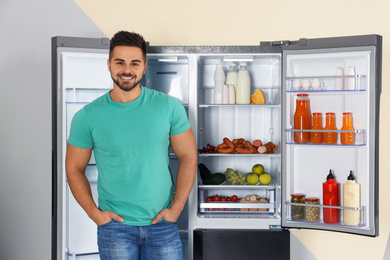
(106, 224)
(171, 222)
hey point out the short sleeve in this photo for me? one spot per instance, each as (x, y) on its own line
(179, 119)
(80, 134)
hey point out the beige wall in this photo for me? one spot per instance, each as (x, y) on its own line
(247, 22)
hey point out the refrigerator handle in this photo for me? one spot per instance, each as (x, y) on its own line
(278, 43)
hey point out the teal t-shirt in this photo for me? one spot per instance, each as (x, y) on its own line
(131, 145)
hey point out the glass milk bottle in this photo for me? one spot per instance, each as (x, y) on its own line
(231, 77)
(219, 80)
(243, 87)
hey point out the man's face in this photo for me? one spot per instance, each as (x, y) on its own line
(127, 67)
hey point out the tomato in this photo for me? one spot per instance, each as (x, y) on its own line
(229, 198)
(234, 198)
(216, 198)
(224, 199)
(209, 199)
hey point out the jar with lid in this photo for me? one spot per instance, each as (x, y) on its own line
(302, 118)
(312, 213)
(317, 137)
(297, 212)
(330, 137)
(347, 137)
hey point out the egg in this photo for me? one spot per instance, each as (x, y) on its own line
(306, 85)
(297, 84)
(316, 84)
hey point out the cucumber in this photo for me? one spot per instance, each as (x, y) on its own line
(204, 171)
(215, 179)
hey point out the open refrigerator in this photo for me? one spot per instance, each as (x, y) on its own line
(220, 230)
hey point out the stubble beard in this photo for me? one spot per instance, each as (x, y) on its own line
(126, 87)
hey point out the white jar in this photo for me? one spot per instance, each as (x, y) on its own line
(243, 87)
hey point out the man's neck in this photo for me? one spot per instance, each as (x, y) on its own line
(121, 96)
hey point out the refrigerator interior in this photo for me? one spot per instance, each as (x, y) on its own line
(307, 165)
(80, 87)
(239, 121)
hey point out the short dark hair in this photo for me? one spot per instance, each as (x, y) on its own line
(125, 38)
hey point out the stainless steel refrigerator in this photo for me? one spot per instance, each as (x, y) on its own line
(281, 70)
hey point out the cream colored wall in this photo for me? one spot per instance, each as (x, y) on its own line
(247, 22)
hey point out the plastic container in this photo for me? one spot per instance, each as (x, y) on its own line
(232, 94)
(330, 137)
(243, 87)
(225, 94)
(351, 198)
(317, 137)
(219, 81)
(312, 213)
(347, 138)
(231, 77)
(330, 190)
(297, 212)
(302, 118)
(339, 81)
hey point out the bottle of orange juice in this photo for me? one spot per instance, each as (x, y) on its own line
(317, 137)
(302, 118)
(330, 137)
(347, 138)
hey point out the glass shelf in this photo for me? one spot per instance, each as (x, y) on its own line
(360, 136)
(326, 83)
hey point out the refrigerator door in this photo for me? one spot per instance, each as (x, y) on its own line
(79, 76)
(338, 75)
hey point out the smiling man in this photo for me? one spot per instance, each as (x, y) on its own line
(130, 130)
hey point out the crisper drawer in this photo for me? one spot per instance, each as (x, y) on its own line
(237, 199)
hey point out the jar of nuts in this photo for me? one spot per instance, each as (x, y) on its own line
(297, 212)
(312, 213)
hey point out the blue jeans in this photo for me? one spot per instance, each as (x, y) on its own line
(117, 241)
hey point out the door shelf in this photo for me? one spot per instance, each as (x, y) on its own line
(327, 83)
(320, 207)
(360, 137)
(239, 105)
(276, 154)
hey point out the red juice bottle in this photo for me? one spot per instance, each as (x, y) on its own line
(330, 190)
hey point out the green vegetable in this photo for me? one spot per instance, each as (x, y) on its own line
(215, 179)
(204, 171)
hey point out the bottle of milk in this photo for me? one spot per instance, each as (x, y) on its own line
(351, 198)
(243, 87)
(231, 77)
(219, 80)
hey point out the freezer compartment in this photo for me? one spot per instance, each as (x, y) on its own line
(264, 71)
(313, 214)
(212, 244)
(239, 199)
(168, 74)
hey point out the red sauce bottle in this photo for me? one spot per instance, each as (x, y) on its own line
(330, 190)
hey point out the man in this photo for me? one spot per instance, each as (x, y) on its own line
(130, 130)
